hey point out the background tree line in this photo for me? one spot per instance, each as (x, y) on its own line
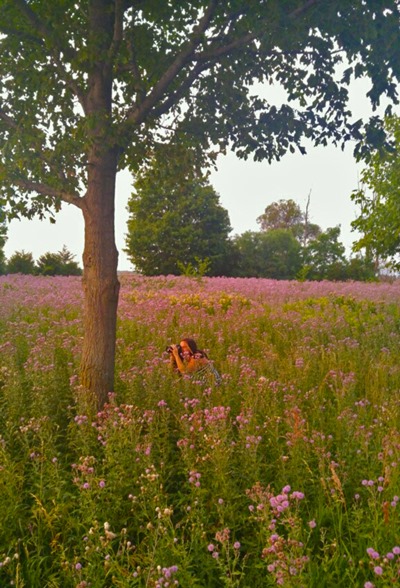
(177, 225)
(48, 264)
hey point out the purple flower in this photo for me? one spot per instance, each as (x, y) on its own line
(236, 545)
(211, 547)
(372, 553)
(312, 524)
(274, 538)
(378, 570)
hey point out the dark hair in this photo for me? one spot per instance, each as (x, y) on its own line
(193, 347)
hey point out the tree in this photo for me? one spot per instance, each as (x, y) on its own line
(324, 257)
(270, 254)
(3, 239)
(361, 269)
(69, 267)
(21, 262)
(58, 264)
(90, 88)
(286, 214)
(176, 218)
(379, 201)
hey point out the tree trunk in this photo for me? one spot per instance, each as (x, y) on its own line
(100, 280)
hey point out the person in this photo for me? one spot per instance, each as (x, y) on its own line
(191, 361)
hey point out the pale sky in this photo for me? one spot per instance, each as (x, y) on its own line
(245, 189)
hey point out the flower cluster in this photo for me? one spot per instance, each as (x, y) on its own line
(385, 566)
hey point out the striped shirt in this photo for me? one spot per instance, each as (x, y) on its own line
(206, 374)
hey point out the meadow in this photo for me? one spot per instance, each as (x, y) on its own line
(286, 474)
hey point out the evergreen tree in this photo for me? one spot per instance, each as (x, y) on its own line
(176, 220)
(58, 264)
(21, 262)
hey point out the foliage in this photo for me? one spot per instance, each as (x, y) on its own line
(88, 89)
(378, 199)
(286, 214)
(21, 262)
(286, 474)
(275, 253)
(176, 219)
(3, 239)
(197, 270)
(271, 254)
(170, 72)
(361, 268)
(325, 256)
(58, 264)
(49, 264)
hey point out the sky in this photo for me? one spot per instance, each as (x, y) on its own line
(246, 188)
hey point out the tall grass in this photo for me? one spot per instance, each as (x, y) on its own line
(286, 474)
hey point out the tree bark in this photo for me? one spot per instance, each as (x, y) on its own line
(100, 279)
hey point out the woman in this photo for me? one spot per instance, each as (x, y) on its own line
(193, 362)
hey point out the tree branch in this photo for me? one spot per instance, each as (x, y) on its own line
(42, 30)
(301, 9)
(46, 190)
(10, 122)
(185, 85)
(202, 59)
(47, 34)
(246, 39)
(20, 34)
(225, 49)
(118, 30)
(138, 114)
(38, 186)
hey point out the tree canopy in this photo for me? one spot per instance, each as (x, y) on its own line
(379, 201)
(58, 264)
(268, 254)
(286, 214)
(21, 262)
(3, 240)
(324, 256)
(90, 88)
(176, 218)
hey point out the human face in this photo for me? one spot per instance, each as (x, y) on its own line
(185, 348)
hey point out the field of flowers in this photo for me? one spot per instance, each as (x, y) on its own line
(285, 474)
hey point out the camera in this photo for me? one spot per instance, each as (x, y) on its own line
(169, 349)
